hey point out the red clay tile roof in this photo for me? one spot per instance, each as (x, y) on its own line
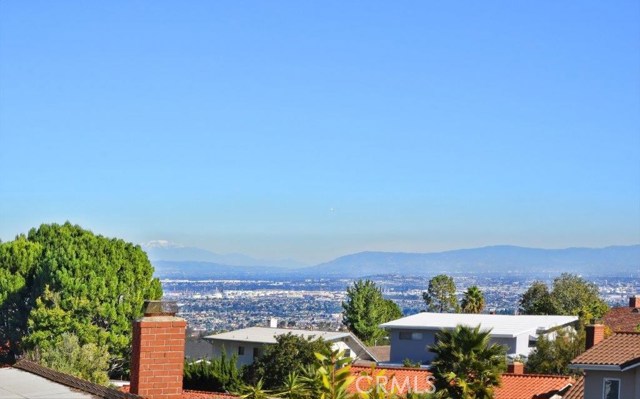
(96, 390)
(576, 391)
(403, 379)
(531, 386)
(622, 350)
(622, 319)
(514, 386)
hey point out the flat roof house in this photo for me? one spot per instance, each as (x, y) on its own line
(249, 343)
(410, 336)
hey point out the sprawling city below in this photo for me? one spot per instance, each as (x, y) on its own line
(223, 305)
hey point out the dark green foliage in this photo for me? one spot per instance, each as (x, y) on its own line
(365, 309)
(466, 364)
(289, 353)
(411, 364)
(537, 300)
(217, 374)
(570, 295)
(441, 295)
(552, 356)
(62, 278)
(473, 300)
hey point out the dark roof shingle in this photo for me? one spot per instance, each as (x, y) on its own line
(73, 382)
(622, 319)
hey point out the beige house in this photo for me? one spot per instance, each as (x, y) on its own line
(611, 367)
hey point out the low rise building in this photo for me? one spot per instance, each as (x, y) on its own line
(411, 336)
(249, 343)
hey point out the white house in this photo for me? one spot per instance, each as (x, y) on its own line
(249, 343)
(410, 336)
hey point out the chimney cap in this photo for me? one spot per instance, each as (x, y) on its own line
(160, 308)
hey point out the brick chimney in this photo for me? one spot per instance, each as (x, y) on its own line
(595, 334)
(634, 301)
(515, 368)
(157, 357)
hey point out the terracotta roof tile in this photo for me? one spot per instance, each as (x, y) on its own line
(576, 391)
(622, 350)
(531, 386)
(622, 319)
(73, 382)
(404, 379)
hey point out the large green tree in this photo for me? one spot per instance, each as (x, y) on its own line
(473, 300)
(62, 278)
(365, 309)
(570, 295)
(466, 365)
(441, 295)
(553, 355)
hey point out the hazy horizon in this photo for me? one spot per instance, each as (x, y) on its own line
(310, 131)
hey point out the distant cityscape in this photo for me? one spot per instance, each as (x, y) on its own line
(221, 305)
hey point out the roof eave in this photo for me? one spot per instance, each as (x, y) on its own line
(595, 367)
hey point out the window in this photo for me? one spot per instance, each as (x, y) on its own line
(256, 353)
(240, 350)
(410, 336)
(347, 353)
(611, 389)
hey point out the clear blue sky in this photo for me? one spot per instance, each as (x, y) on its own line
(314, 129)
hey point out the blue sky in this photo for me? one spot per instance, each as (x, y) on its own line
(310, 130)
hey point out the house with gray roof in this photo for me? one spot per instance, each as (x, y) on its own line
(249, 343)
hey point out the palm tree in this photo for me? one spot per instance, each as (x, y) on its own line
(254, 391)
(467, 366)
(294, 387)
(473, 300)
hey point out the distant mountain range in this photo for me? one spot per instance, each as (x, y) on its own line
(167, 251)
(614, 260)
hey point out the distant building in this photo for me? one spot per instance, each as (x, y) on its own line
(411, 336)
(249, 343)
(624, 318)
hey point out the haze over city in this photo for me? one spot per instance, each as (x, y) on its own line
(310, 131)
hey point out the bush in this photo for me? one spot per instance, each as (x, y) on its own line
(89, 361)
(218, 374)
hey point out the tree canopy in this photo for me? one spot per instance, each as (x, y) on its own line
(64, 279)
(570, 295)
(365, 309)
(553, 355)
(441, 295)
(473, 300)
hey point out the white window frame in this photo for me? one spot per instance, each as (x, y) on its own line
(604, 384)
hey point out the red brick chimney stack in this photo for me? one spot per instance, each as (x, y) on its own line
(634, 301)
(157, 356)
(595, 334)
(515, 368)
